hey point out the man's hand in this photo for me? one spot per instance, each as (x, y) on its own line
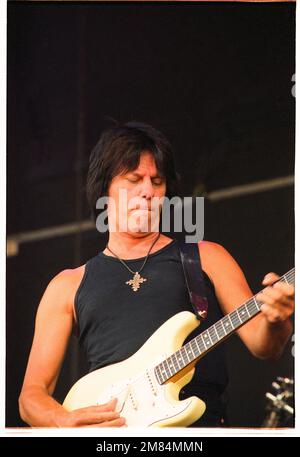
(278, 299)
(94, 417)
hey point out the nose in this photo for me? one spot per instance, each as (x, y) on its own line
(147, 190)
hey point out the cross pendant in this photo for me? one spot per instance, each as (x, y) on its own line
(136, 281)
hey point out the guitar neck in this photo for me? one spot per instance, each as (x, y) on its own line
(214, 335)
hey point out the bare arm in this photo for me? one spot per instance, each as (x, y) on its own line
(266, 334)
(53, 327)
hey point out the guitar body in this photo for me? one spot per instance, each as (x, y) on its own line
(141, 399)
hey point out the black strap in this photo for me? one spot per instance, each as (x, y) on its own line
(191, 263)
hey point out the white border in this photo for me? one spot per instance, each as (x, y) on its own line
(115, 432)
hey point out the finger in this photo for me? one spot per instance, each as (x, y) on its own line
(114, 423)
(93, 418)
(120, 422)
(270, 278)
(276, 301)
(272, 314)
(272, 296)
(287, 289)
(110, 406)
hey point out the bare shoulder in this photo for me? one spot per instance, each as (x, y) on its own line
(211, 252)
(216, 260)
(209, 247)
(68, 278)
(63, 287)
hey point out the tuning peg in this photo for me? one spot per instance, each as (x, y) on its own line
(271, 397)
(285, 380)
(275, 385)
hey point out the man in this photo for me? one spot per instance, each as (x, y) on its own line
(116, 311)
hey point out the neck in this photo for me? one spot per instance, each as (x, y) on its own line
(128, 245)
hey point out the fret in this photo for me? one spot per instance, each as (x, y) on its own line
(200, 343)
(227, 323)
(220, 330)
(213, 334)
(206, 339)
(223, 326)
(246, 307)
(290, 276)
(188, 351)
(238, 315)
(287, 277)
(174, 361)
(195, 348)
(166, 367)
(191, 350)
(180, 361)
(256, 303)
(158, 374)
(185, 356)
(229, 317)
(203, 342)
(171, 365)
(163, 372)
(252, 308)
(196, 341)
(243, 315)
(207, 331)
(234, 319)
(181, 357)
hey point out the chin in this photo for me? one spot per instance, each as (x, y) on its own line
(139, 230)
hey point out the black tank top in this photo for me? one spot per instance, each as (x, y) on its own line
(114, 322)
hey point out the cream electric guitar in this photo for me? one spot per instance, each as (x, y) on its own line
(147, 384)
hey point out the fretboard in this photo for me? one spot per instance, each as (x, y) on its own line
(214, 335)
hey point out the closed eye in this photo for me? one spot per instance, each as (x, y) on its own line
(157, 181)
(133, 180)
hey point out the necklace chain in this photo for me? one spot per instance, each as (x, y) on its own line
(144, 263)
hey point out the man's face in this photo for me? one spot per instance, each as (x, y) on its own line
(135, 208)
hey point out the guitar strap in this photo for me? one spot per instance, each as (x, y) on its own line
(191, 263)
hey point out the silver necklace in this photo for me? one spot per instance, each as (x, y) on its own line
(137, 279)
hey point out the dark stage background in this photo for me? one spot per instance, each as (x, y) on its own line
(215, 78)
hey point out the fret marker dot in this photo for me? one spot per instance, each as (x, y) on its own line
(226, 323)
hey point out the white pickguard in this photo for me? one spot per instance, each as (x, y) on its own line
(142, 400)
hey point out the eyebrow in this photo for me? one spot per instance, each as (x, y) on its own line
(140, 176)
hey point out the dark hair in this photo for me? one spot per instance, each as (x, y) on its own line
(118, 151)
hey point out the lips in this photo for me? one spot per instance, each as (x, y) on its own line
(140, 209)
